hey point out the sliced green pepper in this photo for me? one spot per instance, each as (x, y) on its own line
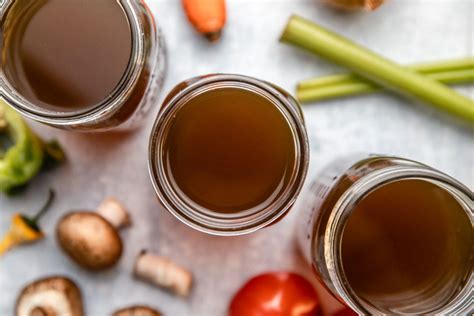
(22, 152)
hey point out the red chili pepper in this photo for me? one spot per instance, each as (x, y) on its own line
(276, 294)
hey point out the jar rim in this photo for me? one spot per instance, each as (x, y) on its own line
(361, 188)
(205, 220)
(109, 103)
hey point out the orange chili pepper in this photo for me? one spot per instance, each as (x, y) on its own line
(24, 229)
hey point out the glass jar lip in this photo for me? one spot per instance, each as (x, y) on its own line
(218, 223)
(104, 107)
(361, 188)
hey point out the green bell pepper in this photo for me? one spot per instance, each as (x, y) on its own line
(22, 152)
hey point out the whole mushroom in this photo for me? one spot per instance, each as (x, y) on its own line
(51, 296)
(91, 238)
(356, 4)
(138, 310)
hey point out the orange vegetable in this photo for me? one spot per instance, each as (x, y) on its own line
(24, 229)
(207, 16)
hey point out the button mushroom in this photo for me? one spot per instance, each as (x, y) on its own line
(91, 238)
(52, 296)
(356, 4)
(138, 310)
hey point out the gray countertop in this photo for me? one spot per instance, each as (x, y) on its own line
(102, 165)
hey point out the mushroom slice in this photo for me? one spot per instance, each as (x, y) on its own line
(138, 310)
(89, 239)
(51, 296)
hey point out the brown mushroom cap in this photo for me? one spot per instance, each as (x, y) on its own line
(89, 239)
(52, 296)
(137, 311)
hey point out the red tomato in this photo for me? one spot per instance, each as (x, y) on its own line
(276, 294)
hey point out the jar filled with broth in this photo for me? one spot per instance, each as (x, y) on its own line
(388, 235)
(228, 153)
(81, 65)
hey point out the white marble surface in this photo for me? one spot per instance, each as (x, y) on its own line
(404, 30)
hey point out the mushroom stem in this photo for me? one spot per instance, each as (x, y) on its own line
(163, 272)
(114, 213)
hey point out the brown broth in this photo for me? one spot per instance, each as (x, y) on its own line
(406, 242)
(230, 150)
(66, 55)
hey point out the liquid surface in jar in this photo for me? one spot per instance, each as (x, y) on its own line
(230, 150)
(66, 55)
(407, 244)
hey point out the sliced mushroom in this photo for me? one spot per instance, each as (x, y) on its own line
(52, 296)
(163, 272)
(89, 239)
(137, 310)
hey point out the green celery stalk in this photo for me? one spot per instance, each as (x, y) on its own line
(307, 35)
(346, 85)
(425, 68)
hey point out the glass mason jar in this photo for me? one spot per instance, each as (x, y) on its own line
(205, 219)
(327, 205)
(132, 97)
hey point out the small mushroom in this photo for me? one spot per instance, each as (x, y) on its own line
(89, 239)
(163, 272)
(368, 5)
(138, 310)
(52, 296)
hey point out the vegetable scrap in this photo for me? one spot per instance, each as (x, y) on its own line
(456, 71)
(277, 294)
(138, 310)
(368, 5)
(22, 152)
(90, 238)
(25, 229)
(368, 64)
(114, 212)
(51, 296)
(207, 16)
(163, 272)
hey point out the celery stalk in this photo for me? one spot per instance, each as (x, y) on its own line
(307, 35)
(424, 68)
(347, 85)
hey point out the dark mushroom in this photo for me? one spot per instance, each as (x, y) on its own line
(52, 296)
